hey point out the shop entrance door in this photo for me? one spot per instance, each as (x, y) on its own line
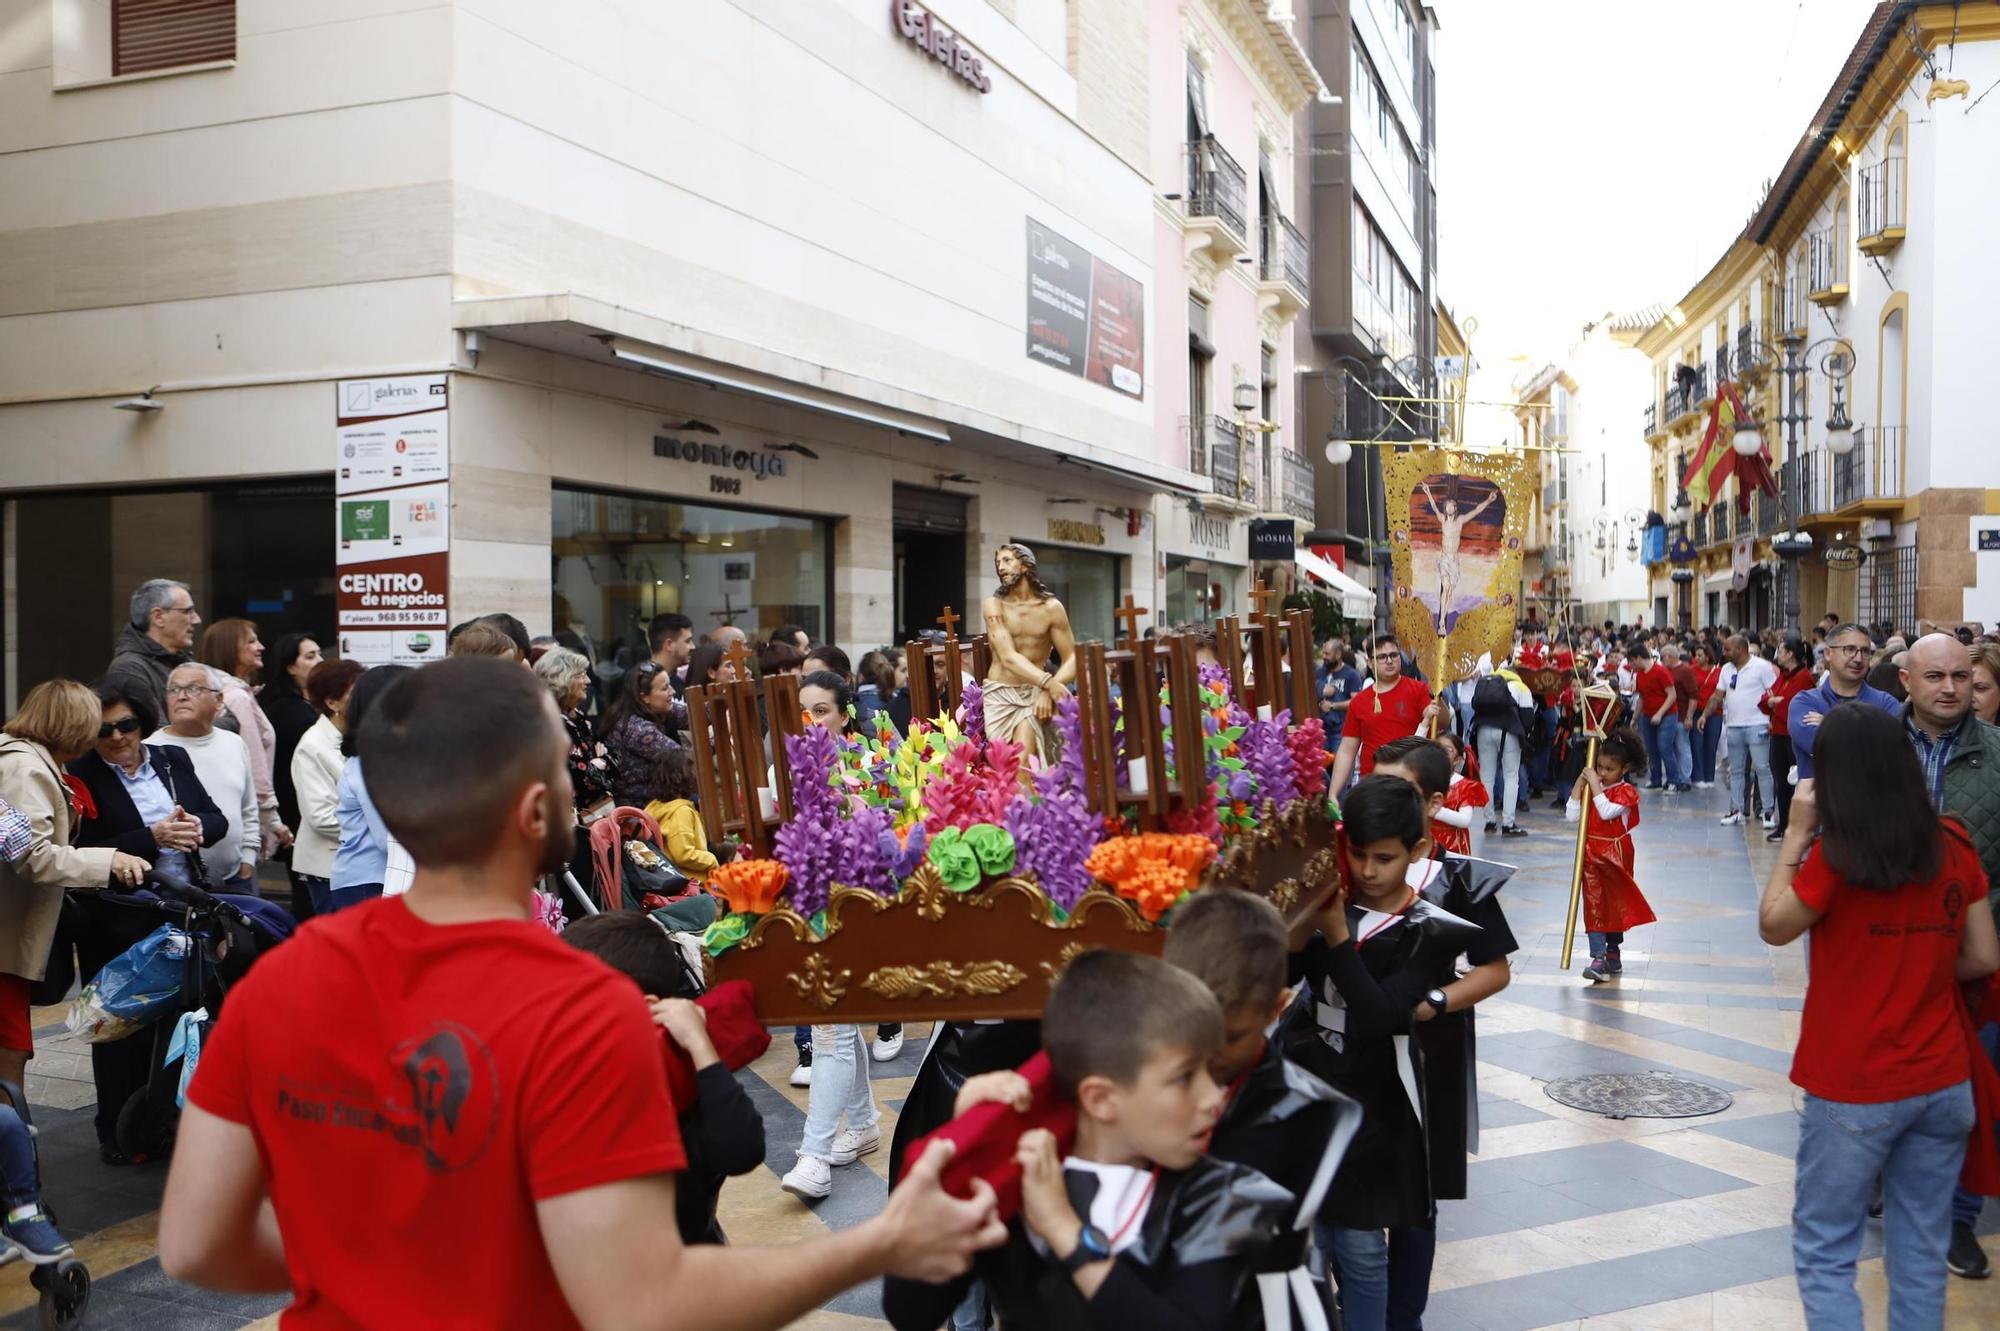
(930, 528)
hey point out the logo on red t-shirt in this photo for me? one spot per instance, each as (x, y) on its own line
(454, 1094)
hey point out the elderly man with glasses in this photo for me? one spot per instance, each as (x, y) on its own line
(1848, 652)
(158, 637)
(222, 762)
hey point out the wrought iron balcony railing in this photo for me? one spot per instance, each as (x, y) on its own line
(1285, 256)
(1216, 186)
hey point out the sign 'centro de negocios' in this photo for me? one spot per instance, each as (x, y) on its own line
(941, 44)
(394, 592)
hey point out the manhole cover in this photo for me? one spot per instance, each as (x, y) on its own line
(1638, 1095)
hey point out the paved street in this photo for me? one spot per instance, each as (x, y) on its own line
(1574, 1220)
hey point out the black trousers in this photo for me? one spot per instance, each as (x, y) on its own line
(1782, 758)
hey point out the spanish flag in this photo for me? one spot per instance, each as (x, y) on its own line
(1717, 460)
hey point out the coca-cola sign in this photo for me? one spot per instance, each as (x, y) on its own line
(940, 43)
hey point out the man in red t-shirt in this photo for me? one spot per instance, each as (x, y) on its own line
(1659, 718)
(1392, 707)
(426, 1110)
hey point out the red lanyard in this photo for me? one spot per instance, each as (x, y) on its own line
(1138, 1209)
(1399, 913)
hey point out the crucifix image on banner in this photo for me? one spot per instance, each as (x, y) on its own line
(1455, 526)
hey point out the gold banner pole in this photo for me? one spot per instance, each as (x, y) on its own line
(1437, 675)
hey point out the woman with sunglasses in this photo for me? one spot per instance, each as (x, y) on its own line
(636, 731)
(54, 726)
(145, 800)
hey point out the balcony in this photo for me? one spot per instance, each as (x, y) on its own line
(1752, 360)
(1284, 270)
(1792, 306)
(1879, 206)
(1886, 588)
(1684, 399)
(1698, 529)
(1375, 320)
(1873, 472)
(1805, 482)
(1287, 483)
(1826, 266)
(1653, 430)
(1215, 194)
(1720, 517)
(1767, 511)
(1215, 450)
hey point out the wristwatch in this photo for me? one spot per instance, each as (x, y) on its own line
(1091, 1246)
(1439, 1003)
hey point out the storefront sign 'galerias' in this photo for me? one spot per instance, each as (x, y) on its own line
(915, 22)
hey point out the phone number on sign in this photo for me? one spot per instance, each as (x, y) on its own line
(382, 619)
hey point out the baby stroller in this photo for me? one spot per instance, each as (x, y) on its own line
(63, 1285)
(230, 933)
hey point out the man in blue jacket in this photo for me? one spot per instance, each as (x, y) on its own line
(1848, 649)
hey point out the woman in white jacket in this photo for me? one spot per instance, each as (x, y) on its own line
(233, 647)
(316, 765)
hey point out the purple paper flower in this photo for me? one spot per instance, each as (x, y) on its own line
(1053, 828)
(972, 711)
(1267, 752)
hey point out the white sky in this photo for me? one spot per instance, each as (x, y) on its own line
(1600, 155)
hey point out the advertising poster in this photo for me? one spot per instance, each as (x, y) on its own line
(392, 532)
(1085, 317)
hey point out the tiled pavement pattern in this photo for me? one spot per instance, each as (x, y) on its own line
(1573, 1220)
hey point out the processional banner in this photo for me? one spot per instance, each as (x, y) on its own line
(1456, 523)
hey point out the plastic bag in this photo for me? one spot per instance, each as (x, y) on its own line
(133, 988)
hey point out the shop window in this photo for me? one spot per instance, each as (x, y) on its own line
(618, 560)
(1085, 581)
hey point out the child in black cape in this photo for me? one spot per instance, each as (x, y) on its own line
(1383, 950)
(1137, 1227)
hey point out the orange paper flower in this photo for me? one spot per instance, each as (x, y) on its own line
(751, 887)
(1154, 869)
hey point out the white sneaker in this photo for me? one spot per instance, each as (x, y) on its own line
(802, 1075)
(1704, 785)
(850, 1145)
(1770, 820)
(1734, 818)
(888, 1043)
(811, 1179)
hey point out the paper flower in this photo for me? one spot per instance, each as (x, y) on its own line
(1154, 870)
(1310, 758)
(1267, 754)
(750, 887)
(972, 711)
(725, 933)
(994, 846)
(955, 860)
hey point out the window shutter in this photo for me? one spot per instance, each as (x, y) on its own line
(166, 34)
(1197, 99)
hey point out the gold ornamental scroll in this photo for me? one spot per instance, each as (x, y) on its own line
(1456, 523)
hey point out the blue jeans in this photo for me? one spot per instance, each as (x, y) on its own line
(1665, 749)
(1684, 745)
(1917, 1146)
(1965, 1206)
(20, 1181)
(318, 891)
(1500, 769)
(839, 1087)
(1601, 943)
(1750, 757)
(340, 898)
(1708, 743)
(1360, 1262)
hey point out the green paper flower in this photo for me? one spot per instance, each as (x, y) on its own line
(955, 859)
(994, 846)
(725, 933)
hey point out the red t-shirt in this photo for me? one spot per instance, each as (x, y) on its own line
(1881, 1020)
(414, 1090)
(1652, 686)
(1376, 717)
(1778, 702)
(1688, 686)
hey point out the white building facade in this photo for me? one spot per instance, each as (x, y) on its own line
(762, 313)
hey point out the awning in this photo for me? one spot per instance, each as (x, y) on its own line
(1719, 582)
(1356, 601)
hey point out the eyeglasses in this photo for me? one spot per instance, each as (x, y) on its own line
(189, 690)
(124, 725)
(1850, 649)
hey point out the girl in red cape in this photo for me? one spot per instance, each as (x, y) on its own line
(1451, 830)
(1609, 805)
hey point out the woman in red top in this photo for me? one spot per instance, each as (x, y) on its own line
(1896, 902)
(1795, 676)
(1704, 731)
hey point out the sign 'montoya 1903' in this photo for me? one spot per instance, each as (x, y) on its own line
(941, 44)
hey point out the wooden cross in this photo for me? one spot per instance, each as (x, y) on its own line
(728, 613)
(949, 620)
(737, 655)
(1129, 615)
(1262, 598)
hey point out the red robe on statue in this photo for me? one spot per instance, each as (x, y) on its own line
(1612, 901)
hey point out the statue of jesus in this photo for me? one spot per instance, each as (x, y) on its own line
(1025, 625)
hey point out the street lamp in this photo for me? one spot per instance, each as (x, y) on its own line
(1338, 451)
